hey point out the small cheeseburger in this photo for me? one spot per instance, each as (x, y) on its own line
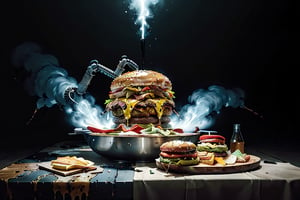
(141, 97)
(179, 152)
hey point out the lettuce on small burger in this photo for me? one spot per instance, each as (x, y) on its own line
(213, 143)
(141, 97)
(179, 152)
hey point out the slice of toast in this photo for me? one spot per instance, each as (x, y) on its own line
(208, 159)
(72, 162)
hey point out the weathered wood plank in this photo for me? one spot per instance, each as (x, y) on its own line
(102, 185)
(26, 180)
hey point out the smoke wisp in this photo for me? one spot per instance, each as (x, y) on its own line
(52, 85)
(202, 103)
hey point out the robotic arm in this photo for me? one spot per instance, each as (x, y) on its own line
(96, 67)
(91, 71)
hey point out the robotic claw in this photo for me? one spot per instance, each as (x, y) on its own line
(72, 94)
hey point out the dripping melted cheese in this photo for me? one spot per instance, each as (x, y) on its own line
(158, 106)
(130, 104)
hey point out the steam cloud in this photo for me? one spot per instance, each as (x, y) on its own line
(49, 82)
(205, 102)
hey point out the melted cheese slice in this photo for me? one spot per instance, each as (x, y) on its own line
(220, 160)
(130, 104)
(159, 109)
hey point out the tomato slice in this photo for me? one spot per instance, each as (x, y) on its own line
(136, 128)
(146, 88)
(203, 137)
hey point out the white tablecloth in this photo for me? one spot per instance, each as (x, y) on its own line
(271, 181)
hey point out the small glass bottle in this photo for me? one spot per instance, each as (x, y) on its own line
(237, 140)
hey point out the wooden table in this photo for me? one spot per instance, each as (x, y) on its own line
(126, 180)
(26, 180)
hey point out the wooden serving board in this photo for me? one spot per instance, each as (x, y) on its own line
(252, 164)
(47, 166)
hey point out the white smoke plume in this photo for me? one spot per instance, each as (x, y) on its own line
(49, 82)
(203, 103)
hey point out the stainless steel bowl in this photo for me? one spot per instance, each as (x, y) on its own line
(132, 147)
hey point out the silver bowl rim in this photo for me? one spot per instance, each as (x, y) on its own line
(94, 134)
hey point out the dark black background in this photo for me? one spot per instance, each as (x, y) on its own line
(231, 43)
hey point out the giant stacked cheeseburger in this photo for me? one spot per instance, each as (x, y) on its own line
(141, 97)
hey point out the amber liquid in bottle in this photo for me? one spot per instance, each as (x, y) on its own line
(237, 140)
(237, 145)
